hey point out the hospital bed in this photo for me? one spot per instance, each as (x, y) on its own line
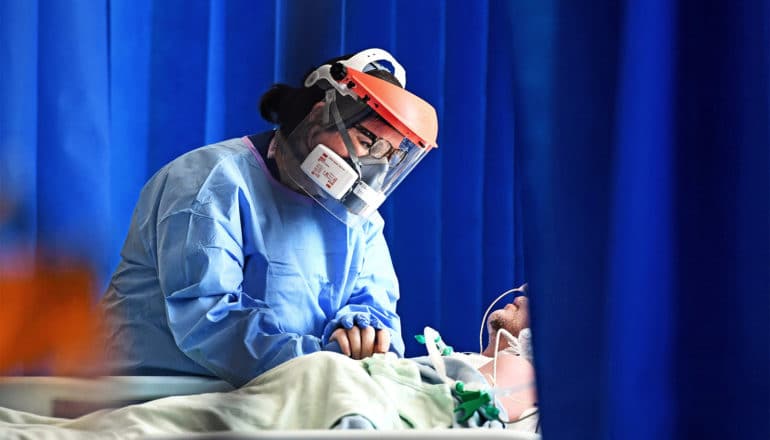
(73, 397)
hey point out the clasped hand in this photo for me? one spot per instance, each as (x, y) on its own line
(360, 343)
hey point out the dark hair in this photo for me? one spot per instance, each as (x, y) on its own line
(287, 106)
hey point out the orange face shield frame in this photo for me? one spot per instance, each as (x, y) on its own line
(409, 114)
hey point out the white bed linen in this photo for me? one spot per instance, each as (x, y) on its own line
(312, 434)
(206, 415)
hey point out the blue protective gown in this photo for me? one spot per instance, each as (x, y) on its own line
(227, 272)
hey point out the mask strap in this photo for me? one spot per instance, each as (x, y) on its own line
(511, 341)
(331, 102)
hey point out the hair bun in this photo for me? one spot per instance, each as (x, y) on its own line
(270, 103)
(287, 106)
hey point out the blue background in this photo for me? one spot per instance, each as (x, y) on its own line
(613, 154)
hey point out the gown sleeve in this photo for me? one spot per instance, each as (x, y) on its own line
(213, 321)
(375, 294)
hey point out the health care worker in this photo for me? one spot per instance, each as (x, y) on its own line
(249, 252)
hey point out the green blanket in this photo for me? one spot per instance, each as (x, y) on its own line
(310, 392)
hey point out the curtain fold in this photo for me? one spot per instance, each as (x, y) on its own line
(641, 215)
(18, 126)
(100, 95)
(462, 176)
(73, 133)
(416, 217)
(722, 218)
(647, 216)
(614, 156)
(129, 114)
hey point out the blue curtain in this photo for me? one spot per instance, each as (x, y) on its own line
(637, 192)
(643, 141)
(96, 96)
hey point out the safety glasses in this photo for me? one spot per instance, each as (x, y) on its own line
(379, 147)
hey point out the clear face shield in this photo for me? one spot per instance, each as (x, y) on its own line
(349, 171)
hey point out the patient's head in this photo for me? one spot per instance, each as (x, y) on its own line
(513, 317)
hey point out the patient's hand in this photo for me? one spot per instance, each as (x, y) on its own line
(360, 343)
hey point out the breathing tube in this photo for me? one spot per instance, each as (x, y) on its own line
(497, 392)
(475, 396)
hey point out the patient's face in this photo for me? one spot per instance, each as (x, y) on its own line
(513, 317)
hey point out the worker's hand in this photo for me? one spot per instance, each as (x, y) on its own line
(360, 343)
